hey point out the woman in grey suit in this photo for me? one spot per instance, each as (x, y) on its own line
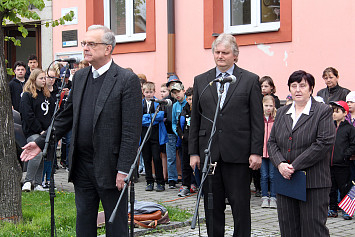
(301, 139)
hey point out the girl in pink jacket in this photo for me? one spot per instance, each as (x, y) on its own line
(267, 169)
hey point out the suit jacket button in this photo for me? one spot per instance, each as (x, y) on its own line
(220, 115)
(220, 131)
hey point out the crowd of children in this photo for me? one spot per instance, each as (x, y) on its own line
(168, 138)
(34, 95)
(165, 158)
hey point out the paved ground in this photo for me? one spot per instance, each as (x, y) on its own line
(264, 221)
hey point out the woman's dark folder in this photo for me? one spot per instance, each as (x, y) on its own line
(294, 187)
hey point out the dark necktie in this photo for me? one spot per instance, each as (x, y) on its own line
(226, 85)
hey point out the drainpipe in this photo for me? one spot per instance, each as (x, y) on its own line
(171, 37)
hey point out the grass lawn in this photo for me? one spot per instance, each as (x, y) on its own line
(37, 216)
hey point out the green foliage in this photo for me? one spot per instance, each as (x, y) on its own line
(14, 40)
(177, 214)
(37, 216)
(13, 10)
(10, 72)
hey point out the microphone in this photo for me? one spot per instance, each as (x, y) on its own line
(166, 102)
(231, 78)
(69, 60)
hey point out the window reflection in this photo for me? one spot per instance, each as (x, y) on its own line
(240, 12)
(270, 10)
(132, 12)
(139, 16)
(118, 16)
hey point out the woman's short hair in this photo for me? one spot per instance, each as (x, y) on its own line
(328, 70)
(298, 76)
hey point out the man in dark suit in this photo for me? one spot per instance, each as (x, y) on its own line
(238, 140)
(104, 111)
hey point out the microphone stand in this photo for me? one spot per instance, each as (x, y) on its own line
(207, 165)
(128, 179)
(51, 138)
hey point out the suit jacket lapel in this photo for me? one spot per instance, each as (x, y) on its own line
(107, 85)
(213, 87)
(288, 121)
(238, 74)
(80, 83)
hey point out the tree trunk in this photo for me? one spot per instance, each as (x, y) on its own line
(10, 170)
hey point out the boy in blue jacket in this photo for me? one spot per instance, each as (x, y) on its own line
(157, 137)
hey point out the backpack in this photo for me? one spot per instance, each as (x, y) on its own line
(146, 214)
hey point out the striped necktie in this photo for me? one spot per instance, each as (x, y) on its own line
(226, 85)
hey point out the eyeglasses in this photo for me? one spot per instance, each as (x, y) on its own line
(91, 44)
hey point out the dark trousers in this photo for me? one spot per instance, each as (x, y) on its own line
(304, 219)
(340, 181)
(87, 199)
(187, 171)
(231, 181)
(151, 149)
(256, 177)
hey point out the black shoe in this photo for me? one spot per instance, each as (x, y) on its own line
(257, 193)
(172, 184)
(149, 187)
(160, 188)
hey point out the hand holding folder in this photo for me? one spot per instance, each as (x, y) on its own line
(294, 187)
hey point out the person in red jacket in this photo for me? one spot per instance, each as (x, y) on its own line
(267, 169)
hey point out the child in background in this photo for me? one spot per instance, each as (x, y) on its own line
(350, 99)
(36, 108)
(164, 93)
(267, 169)
(158, 136)
(171, 145)
(141, 168)
(343, 149)
(289, 100)
(178, 92)
(51, 74)
(268, 88)
(183, 126)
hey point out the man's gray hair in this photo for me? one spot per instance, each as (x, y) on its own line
(226, 40)
(108, 37)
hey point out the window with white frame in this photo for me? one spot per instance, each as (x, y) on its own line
(127, 19)
(251, 16)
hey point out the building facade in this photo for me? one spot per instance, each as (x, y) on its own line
(276, 37)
